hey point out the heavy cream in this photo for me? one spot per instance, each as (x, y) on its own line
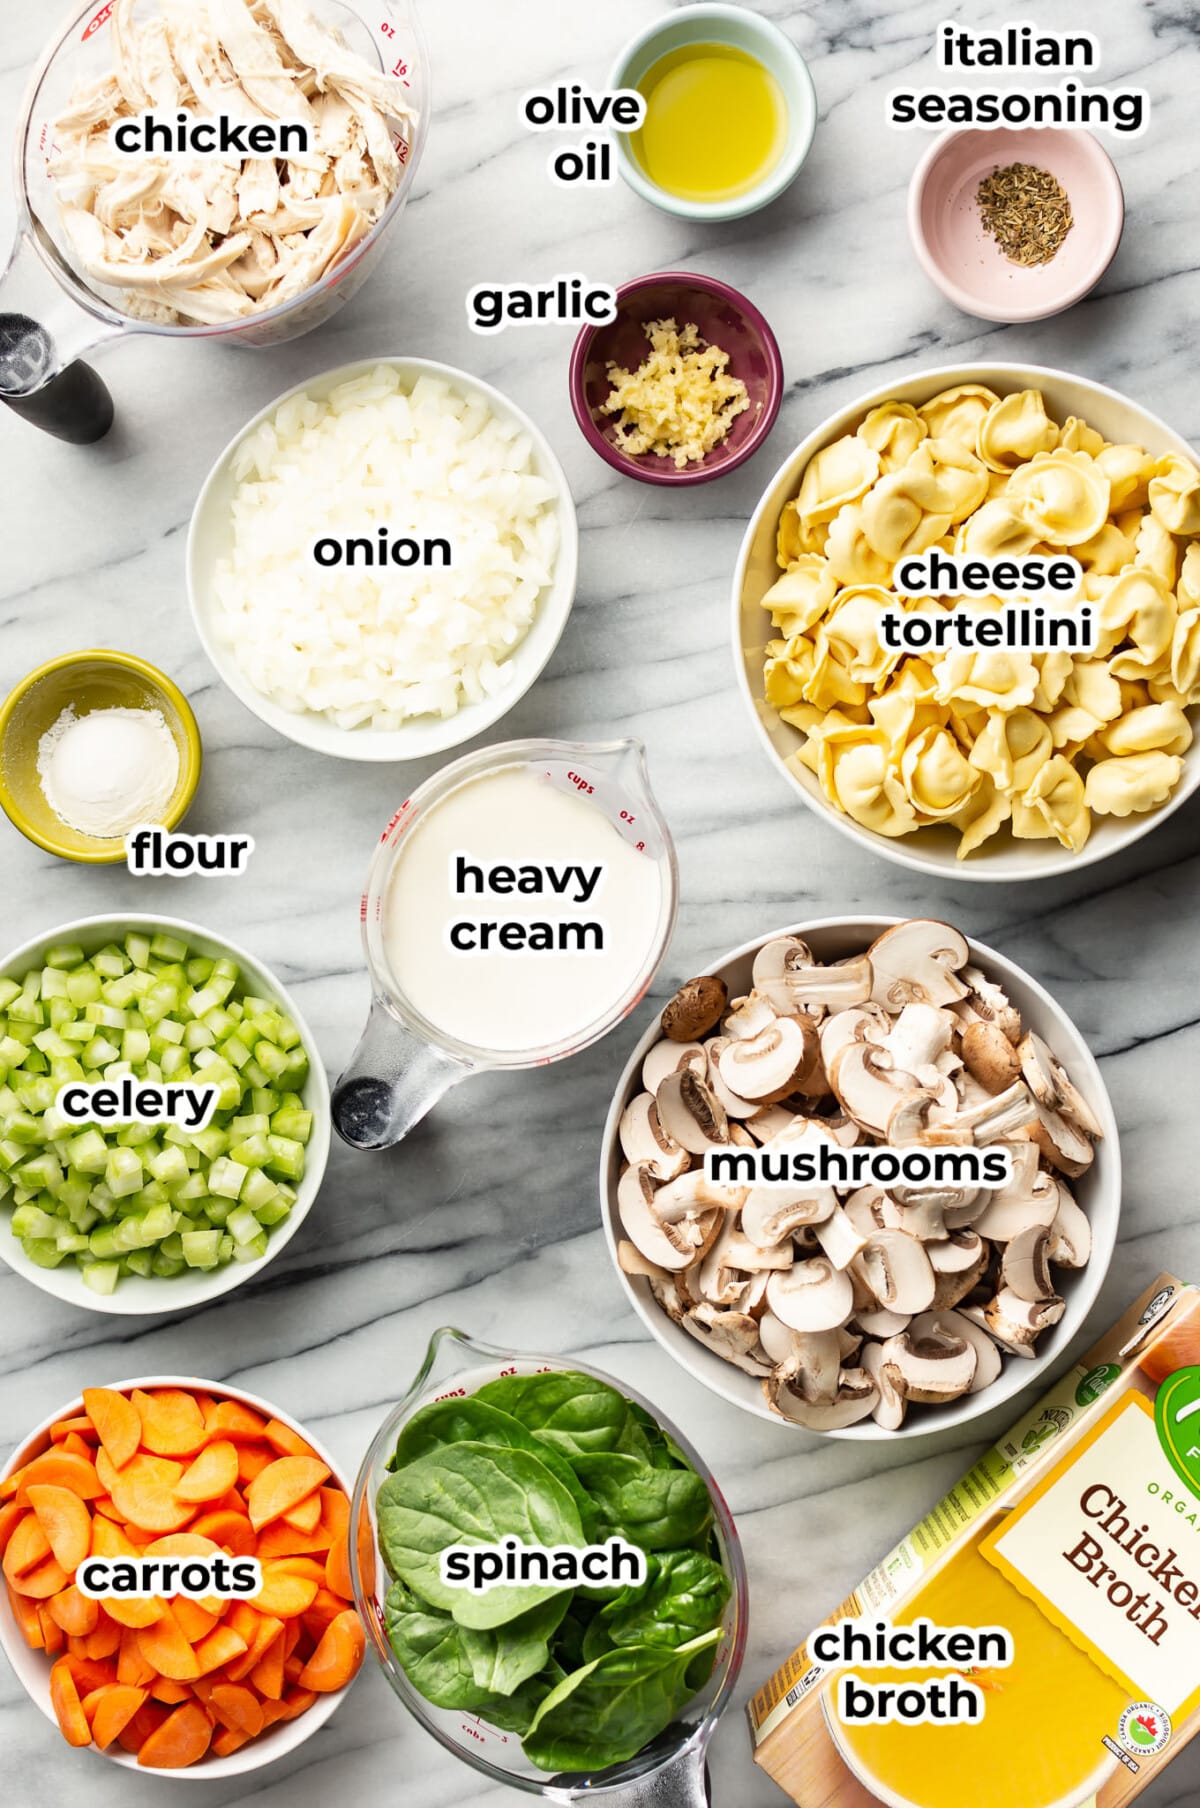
(517, 915)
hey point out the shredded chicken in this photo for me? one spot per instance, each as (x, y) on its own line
(202, 240)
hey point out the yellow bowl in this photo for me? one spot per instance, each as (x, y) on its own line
(86, 681)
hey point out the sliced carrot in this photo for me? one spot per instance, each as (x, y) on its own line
(230, 1419)
(231, 1531)
(75, 1613)
(164, 1646)
(49, 1578)
(267, 1674)
(325, 1607)
(105, 1641)
(107, 1471)
(132, 1667)
(181, 1544)
(172, 1423)
(110, 1540)
(225, 1743)
(109, 1709)
(283, 1594)
(54, 1639)
(213, 1473)
(103, 1504)
(65, 1520)
(195, 1622)
(311, 1568)
(169, 1692)
(11, 1515)
(76, 1445)
(337, 1658)
(144, 1494)
(133, 1613)
(337, 1569)
(252, 1460)
(295, 1702)
(149, 1717)
(182, 1739)
(305, 1516)
(281, 1486)
(27, 1546)
(284, 1441)
(68, 1709)
(26, 1615)
(118, 1424)
(292, 1667)
(238, 1709)
(61, 1469)
(220, 1647)
(79, 1427)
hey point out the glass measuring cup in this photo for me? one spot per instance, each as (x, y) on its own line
(670, 1773)
(405, 1062)
(50, 314)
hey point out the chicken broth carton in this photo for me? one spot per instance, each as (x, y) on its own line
(1035, 1641)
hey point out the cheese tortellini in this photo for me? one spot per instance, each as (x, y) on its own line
(1033, 743)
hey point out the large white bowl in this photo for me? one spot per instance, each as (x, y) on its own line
(33, 1667)
(932, 850)
(136, 1295)
(1098, 1192)
(210, 539)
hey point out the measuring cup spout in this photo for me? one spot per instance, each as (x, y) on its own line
(394, 1079)
(681, 1782)
(42, 331)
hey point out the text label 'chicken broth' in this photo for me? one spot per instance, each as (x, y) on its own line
(527, 866)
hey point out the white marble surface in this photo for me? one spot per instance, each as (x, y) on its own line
(488, 1217)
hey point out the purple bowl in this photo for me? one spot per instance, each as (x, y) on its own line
(724, 318)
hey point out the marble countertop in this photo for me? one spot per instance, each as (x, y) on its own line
(458, 1226)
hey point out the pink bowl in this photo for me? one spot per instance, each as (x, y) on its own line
(726, 319)
(965, 262)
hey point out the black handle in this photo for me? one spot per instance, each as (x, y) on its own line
(75, 405)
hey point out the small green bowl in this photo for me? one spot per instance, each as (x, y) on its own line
(744, 30)
(86, 681)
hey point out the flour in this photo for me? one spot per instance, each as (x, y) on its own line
(105, 773)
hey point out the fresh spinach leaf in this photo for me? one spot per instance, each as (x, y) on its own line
(684, 1594)
(473, 1494)
(436, 1657)
(659, 1509)
(449, 1423)
(606, 1712)
(505, 1657)
(574, 1413)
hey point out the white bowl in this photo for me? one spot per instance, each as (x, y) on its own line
(932, 850)
(136, 1295)
(210, 539)
(33, 1667)
(1098, 1191)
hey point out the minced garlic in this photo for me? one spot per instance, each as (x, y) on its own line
(681, 402)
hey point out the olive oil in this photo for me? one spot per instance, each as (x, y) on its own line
(716, 123)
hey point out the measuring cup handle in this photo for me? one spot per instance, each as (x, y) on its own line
(680, 1783)
(75, 406)
(392, 1081)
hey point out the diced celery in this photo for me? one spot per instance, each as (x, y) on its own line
(169, 1165)
(9, 989)
(252, 1251)
(101, 1277)
(254, 1152)
(89, 1152)
(201, 1248)
(140, 1261)
(100, 1053)
(293, 1122)
(122, 1172)
(65, 954)
(225, 1178)
(32, 1221)
(43, 1251)
(84, 987)
(110, 963)
(242, 1225)
(168, 948)
(167, 1266)
(135, 1046)
(53, 983)
(258, 1189)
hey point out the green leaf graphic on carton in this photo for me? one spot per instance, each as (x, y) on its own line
(1095, 1382)
(1142, 1730)
(1177, 1417)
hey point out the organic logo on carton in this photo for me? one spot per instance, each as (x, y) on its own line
(1145, 1729)
(1177, 1417)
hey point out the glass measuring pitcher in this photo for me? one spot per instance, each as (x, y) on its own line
(50, 313)
(406, 1061)
(670, 1773)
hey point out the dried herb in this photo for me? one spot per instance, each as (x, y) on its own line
(1026, 211)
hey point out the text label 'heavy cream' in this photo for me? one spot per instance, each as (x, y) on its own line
(575, 883)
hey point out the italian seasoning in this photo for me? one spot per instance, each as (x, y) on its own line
(1026, 211)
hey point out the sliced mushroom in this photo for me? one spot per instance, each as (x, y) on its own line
(931, 1369)
(721, 1281)
(754, 1260)
(767, 1067)
(989, 1057)
(1048, 1081)
(868, 1085)
(768, 1122)
(959, 1263)
(917, 963)
(793, 983)
(694, 1192)
(864, 1023)
(898, 1272)
(809, 1361)
(988, 1360)
(922, 1218)
(1016, 1323)
(1070, 1233)
(997, 1117)
(731, 1335)
(891, 1406)
(631, 1261)
(1065, 1147)
(772, 1214)
(748, 1017)
(919, 1117)
(670, 1057)
(918, 1036)
(867, 1209)
(811, 1296)
(878, 1322)
(986, 1002)
(695, 1009)
(1026, 1265)
(689, 1113)
(855, 1400)
(839, 1238)
(672, 1246)
(734, 1107)
(643, 1139)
